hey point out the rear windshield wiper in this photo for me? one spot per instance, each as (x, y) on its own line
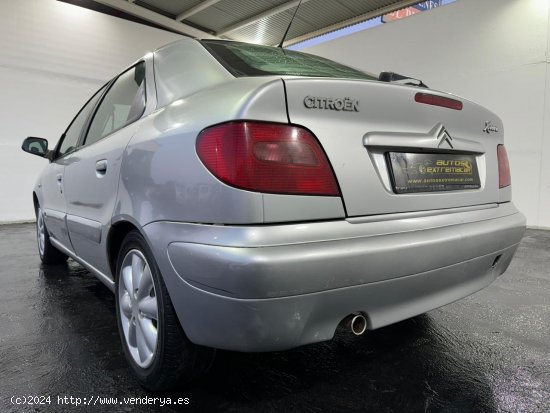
(396, 77)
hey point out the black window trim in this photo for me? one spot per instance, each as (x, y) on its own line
(83, 136)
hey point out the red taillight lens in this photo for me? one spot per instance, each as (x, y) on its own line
(267, 157)
(504, 178)
(436, 100)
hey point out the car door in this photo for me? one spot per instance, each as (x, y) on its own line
(53, 200)
(92, 173)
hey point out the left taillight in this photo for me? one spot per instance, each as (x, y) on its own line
(267, 157)
(504, 178)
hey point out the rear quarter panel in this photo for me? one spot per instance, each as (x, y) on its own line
(162, 177)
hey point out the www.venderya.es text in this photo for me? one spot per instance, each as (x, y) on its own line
(95, 400)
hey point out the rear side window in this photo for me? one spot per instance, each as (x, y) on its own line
(72, 134)
(123, 104)
(243, 59)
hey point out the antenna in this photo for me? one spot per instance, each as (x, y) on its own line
(289, 24)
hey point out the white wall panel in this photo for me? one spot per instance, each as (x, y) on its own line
(53, 56)
(493, 52)
(544, 189)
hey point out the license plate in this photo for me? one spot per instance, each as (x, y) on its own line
(431, 172)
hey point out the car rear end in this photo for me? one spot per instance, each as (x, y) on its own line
(377, 199)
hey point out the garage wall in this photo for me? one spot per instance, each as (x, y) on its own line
(494, 52)
(53, 57)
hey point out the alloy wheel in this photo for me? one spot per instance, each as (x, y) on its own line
(138, 308)
(40, 231)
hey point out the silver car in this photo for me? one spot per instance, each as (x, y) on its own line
(251, 198)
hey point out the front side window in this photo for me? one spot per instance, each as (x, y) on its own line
(123, 104)
(71, 135)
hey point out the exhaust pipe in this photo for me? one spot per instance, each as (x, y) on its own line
(357, 323)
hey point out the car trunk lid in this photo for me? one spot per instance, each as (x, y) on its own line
(361, 123)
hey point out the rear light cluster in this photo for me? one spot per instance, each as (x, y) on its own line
(267, 157)
(436, 100)
(504, 178)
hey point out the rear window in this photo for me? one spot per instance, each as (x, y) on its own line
(243, 59)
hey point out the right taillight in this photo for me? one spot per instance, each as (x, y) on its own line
(504, 178)
(267, 157)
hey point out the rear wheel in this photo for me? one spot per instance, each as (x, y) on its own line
(48, 253)
(156, 348)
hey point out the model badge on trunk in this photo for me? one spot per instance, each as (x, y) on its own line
(489, 127)
(339, 104)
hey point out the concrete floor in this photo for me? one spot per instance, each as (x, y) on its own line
(487, 353)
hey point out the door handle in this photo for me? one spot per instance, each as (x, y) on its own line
(101, 166)
(59, 179)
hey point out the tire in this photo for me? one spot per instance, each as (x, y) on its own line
(159, 353)
(49, 254)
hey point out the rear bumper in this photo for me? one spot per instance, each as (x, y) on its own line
(277, 287)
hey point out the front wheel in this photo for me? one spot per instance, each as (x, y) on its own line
(160, 355)
(48, 253)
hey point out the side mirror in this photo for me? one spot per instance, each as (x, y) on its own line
(36, 146)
